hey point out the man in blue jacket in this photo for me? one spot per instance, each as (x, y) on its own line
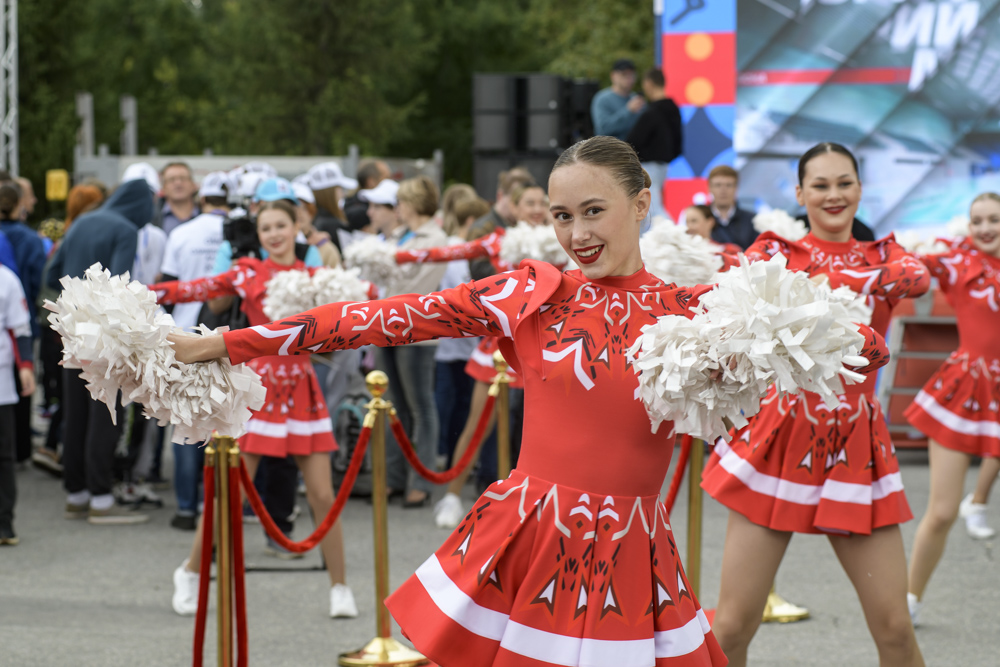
(109, 236)
(615, 109)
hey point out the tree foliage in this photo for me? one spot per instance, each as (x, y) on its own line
(285, 78)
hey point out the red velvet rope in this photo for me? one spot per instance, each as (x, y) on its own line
(275, 533)
(682, 464)
(239, 566)
(205, 567)
(443, 477)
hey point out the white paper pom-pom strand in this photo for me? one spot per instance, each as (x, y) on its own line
(374, 258)
(781, 223)
(289, 293)
(761, 324)
(113, 331)
(674, 256)
(292, 292)
(539, 242)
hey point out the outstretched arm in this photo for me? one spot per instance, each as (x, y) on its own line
(202, 289)
(487, 246)
(489, 307)
(901, 275)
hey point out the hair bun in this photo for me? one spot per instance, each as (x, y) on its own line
(646, 180)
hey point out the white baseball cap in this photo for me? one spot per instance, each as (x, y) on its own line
(303, 192)
(248, 183)
(142, 171)
(328, 175)
(260, 168)
(383, 193)
(216, 184)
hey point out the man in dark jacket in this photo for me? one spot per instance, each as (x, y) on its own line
(657, 136)
(734, 224)
(109, 236)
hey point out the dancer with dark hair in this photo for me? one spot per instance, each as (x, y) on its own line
(799, 467)
(293, 421)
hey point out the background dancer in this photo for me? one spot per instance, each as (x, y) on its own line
(801, 468)
(959, 407)
(294, 419)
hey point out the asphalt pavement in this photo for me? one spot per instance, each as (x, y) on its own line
(93, 596)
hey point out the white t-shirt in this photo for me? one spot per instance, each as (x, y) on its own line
(190, 255)
(149, 254)
(13, 316)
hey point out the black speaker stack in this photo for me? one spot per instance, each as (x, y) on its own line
(525, 120)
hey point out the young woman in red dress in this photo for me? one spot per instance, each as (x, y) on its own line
(294, 419)
(570, 560)
(801, 468)
(959, 407)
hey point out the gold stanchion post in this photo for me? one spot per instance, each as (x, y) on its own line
(780, 610)
(224, 550)
(383, 650)
(501, 390)
(696, 462)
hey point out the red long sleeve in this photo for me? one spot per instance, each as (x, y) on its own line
(488, 307)
(486, 246)
(202, 289)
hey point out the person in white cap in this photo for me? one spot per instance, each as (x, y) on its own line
(381, 206)
(328, 183)
(305, 213)
(190, 255)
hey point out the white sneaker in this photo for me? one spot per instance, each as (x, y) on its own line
(448, 511)
(915, 606)
(185, 591)
(342, 602)
(975, 519)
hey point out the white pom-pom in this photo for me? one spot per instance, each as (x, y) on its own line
(289, 293)
(336, 285)
(524, 241)
(375, 258)
(675, 360)
(958, 227)
(113, 331)
(780, 223)
(921, 244)
(760, 324)
(674, 256)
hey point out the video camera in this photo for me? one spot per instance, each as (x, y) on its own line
(240, 229)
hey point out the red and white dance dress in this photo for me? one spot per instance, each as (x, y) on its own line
(294, 419)
(959, 407)
(799, 466)
(570, 560)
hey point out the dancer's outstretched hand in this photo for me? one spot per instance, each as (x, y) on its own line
(189, 348)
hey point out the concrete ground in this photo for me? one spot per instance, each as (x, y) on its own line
(82, 595)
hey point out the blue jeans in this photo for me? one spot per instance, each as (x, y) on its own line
(453, 394)
(189, 463)
(411, 389)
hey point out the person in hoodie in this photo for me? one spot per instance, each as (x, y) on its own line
(107, 235)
